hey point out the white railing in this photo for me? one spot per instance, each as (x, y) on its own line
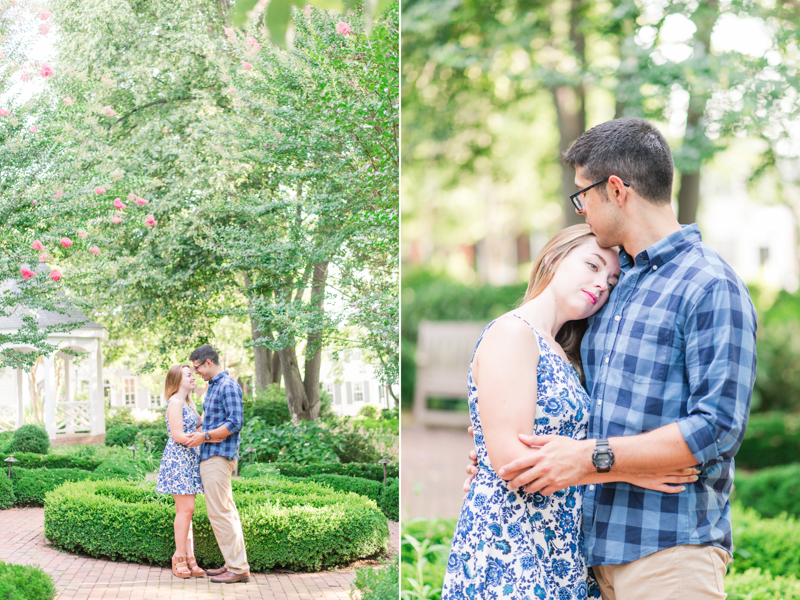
(73, 417)
(8, 418)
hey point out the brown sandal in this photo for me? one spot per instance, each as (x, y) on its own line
(196, 571)
(180, 568)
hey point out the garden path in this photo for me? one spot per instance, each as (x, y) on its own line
(79, 577)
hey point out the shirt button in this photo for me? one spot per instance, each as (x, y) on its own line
(606, 360)
(591, 487)
(617, 318)
(599, 403)
(655, 267)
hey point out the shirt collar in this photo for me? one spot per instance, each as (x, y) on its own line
(217, 377)
(664, 249)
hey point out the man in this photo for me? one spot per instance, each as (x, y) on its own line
(670, 365)
(222, 420)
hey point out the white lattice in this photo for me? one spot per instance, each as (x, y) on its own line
(8, 418)
(72, 417)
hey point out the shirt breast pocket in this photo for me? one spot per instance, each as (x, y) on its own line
(648, 352)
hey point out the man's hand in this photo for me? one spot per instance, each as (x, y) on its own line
(196, 439)
(560, 463)
(472, 467)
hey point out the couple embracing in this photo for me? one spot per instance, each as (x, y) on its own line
(608, 406)
(200, 458)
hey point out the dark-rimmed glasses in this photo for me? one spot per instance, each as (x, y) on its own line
(576, 201)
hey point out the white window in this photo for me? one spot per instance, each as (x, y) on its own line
(107, 392)
(328, 389)
(129, 390)
(155, 401)
(358, 391)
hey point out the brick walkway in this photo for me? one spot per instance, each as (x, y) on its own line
(78, 577)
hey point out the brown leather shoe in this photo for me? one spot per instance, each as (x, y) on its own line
(231, 577)
(220, 571)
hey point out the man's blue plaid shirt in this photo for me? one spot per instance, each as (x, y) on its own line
(223, 406)
(675, 343)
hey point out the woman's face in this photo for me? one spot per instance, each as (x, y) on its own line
(187, 381)
(585, 278)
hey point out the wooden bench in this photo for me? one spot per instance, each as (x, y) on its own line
(444, 352)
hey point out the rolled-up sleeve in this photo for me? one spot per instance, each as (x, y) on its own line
(720, 338)
(232, 405)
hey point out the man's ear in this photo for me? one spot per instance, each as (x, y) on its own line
(617, 191)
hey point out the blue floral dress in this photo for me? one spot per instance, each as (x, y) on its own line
(515, 545)
(180, 465)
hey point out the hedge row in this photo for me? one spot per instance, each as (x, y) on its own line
(299, 526)
(365, 470)
(29, 460)
(770, 491)
(18, 582)
(388, 499)
(755, 585)
(771, 439)
(31, 485)
(768, 544)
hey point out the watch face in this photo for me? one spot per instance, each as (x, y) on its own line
(602, 460)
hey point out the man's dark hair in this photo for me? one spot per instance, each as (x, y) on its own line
(204, 353)
(633, 150)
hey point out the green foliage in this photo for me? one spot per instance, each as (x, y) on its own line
(389, 502)
(29, 460)
(31, 485)
(121, 435)
(299, 526)
(303, 442)
(5, 441)
(268, 406)
(367, 471)
(768, 544)
(755, 585)
(7, 498)
(30, 438)
(388, 499)
(118, 466)
(770, 491)
(156, 436)
(770, 439)
(423, 554)
(377, 584)
(28, 582)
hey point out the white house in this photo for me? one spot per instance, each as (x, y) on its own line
(352, 384)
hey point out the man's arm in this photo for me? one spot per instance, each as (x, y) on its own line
(231, 397)
(720, 366)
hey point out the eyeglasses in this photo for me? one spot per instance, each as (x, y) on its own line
(576, 201)
(197, 367)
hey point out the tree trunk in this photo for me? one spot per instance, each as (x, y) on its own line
(262, 359)
(571, 113)
(276, 369)
(688, 197)
(34, 391)
(295, 390)
(314, 362)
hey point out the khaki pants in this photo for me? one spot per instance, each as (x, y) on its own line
(679, 573)
(216, 475)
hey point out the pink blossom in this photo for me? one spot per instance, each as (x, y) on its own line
(99, 190)
(108, 111)
(150, 221)
(25, 76)
(307, 11)
(34, 129)
(46, 70)
(141, 201)
(83, 234)
(58, 194)
(247, 66)
(131, 197)
(68, 100)
(37, 245)
(228, 31)
(116, 220)
(252, 42)
(4, 112)
(44, 28)
(55, 275)
(44, 257)
(27, 273)
(118, 204)
(94, 250)
(343, 28)
(2, 56)
(66, 242)
(107, 81)
(44, 15)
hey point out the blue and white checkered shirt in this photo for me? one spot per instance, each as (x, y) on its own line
(223, 406)
(675, 343)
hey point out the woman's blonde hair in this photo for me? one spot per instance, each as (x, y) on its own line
(173, 382)
(546, 264)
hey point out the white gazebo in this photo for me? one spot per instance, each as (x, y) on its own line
(67, 420)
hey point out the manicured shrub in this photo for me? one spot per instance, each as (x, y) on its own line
(28, 460)
(18, 582)
(31, 485)
(770, 439)
(367, 471)
(122, 434)
(269, 406)
(770, 491)
(6, 438)
(341, 483)
(768, 544)
(300, 526)
(157, 436)
(389, 502)
(6, 491)
(30, 438)
(354, 446)
(378, 584)
(118, 467)
(755, 585)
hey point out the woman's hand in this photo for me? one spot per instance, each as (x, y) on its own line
(668, 483)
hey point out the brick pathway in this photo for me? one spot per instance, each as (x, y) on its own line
(79, 577)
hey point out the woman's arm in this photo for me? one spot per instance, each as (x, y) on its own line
(660, 482)
(504, 371)
(175, 418)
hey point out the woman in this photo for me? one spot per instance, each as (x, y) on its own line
(510, 544)
(179, 474)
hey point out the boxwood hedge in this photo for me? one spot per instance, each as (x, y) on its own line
(30, 438)
(6, 491)
(18, 582)
(30, 460)
(31, 485)
(771, 439)
(365, 470)
(299, 526)
(768, 544)
(755, 585)
(388, 499)
(770, 491)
